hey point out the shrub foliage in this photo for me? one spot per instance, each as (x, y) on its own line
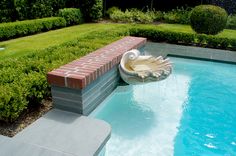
(28, 27)
(92, 9)
(12, 10)
(178, 15)
(208, 19)
(231, 22)
(130, 16)
(71, 15)
(184, 37)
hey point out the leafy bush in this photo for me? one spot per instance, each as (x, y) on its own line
(28, 27)
(71, 15)
(23, 80)
(130, 16)
(6, 11)
(155, 15)
(40, 9)
(208, 19)
(12, 10)
(112, 10)
(231, 22)
(184, 37)
(179, 15)
(117, 16)
(12, 101)
(92, 9)
(5, 15)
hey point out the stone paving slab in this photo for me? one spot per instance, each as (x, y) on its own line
(68, 133)
(10, 147)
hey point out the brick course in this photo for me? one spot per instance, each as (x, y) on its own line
(82, 72)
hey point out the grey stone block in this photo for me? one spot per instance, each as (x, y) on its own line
(85, 100)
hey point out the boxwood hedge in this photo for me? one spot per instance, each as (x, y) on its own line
(204, 40)
(29, 27)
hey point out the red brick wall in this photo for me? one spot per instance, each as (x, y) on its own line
(80, 73)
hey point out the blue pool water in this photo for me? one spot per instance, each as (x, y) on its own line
(193, 112)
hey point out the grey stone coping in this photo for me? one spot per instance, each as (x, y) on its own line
(164, 49)
(67, 133)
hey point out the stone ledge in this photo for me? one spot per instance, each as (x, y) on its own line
(80, 73)
(66, 133)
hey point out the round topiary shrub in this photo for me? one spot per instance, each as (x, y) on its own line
(208, 19)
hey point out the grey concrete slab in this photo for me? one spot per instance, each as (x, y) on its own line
(3, 139)
(10, 147)
(68, 133)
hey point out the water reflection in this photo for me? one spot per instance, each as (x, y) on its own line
(145, 118)
(129, 118)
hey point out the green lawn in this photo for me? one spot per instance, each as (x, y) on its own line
(186, 28)
(25, 45)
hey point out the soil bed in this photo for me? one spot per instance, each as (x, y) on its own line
(28, 117)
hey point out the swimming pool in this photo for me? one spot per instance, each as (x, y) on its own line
(190, 113)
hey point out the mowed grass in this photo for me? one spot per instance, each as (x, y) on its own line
(227, 33)
(21, 46)
(25, 45)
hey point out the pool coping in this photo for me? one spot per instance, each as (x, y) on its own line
(192, 52)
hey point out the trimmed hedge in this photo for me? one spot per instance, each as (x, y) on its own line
(23, 80)
(184, 38)
(23, 28)
(208, 19)
(71, 15)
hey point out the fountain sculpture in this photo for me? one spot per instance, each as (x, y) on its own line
(135, 68)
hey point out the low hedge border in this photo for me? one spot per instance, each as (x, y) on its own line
(23, 80)
(202, 40)
(23, 28)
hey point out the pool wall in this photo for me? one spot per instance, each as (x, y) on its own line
(81, 85)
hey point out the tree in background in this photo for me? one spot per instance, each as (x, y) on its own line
(92, 10)
(6, 11)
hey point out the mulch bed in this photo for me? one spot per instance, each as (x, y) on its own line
(28, 117)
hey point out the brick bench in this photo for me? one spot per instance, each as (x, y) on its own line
(81, 85)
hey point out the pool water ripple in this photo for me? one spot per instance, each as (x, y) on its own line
(190, 113)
